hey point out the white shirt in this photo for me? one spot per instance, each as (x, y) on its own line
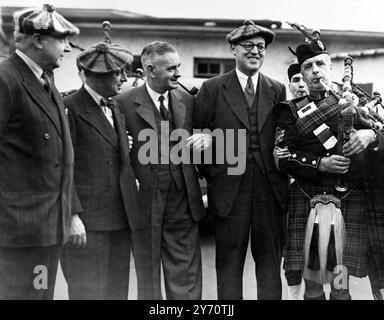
(155, 97)
(35, 68)
(95, 96)
(243, 79)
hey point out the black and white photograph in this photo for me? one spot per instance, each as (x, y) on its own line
(191, 151)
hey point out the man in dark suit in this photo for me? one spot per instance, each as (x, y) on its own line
(253, 200)
(97, 259)
(165, 231)
(36, 157)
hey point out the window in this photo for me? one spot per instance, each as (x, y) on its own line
(210, 67)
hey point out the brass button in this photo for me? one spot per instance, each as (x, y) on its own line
(47, 136)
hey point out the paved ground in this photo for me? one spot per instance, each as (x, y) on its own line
(360, 289)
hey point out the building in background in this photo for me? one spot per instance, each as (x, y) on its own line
(203, 49)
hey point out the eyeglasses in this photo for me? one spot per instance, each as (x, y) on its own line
(248, 46)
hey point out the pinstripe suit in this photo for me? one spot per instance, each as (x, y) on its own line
(36, 174)
(105, 183)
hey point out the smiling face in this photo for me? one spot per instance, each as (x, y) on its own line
(52, 51)
(163, 71)
(316, 68)
(249, 62)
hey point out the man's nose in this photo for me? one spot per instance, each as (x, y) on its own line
(123, 77)
(67, 47)
(315, 68)
(178, 73)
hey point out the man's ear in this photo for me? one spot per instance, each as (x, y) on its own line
(232, 48)
(37, 41)
(150, 70)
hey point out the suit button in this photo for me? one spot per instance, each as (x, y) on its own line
(46, 136)
(109, 188)
(57, 164)
(109, 161)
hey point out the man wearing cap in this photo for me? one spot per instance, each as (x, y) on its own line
(36, 157)
(255, 200)
(96, 260)
(298, 89)
(165, 234)
(297, 86)
(333, 231)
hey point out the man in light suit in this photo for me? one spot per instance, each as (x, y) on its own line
(253, 201)
(36, 157)
(96, 261)
(165, 231)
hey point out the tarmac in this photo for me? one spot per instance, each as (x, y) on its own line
(359, 288)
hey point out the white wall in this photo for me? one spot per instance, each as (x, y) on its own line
(278, 57)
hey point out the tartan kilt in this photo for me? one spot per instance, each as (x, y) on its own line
(364, 228)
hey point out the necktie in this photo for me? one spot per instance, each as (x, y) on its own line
(249, 92)
(46, 84)
(163, 109)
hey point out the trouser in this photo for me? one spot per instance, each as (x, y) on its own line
(170, 238)
(256, 212)
(28, 273)
(100, 271)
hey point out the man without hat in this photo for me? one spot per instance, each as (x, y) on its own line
(96, 260)
(333, 231)
(254, 201)
(165, 233)
(36, 157)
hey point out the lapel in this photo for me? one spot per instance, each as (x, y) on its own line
(122, 135)
(265, 100)
(233, 94)
(145, 107)
(37, 92)
(96, 118)
(178, 109)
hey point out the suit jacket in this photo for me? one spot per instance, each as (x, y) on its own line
(104, 178)
(137, 106)
(36, 161)
(221, 105)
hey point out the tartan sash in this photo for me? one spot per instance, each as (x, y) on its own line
(326, 108)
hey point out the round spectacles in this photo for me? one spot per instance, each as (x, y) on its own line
(248, 46)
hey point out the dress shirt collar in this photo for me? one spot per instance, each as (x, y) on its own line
(35, 68)
(243, 79)
(95, 96)
(155, 96)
